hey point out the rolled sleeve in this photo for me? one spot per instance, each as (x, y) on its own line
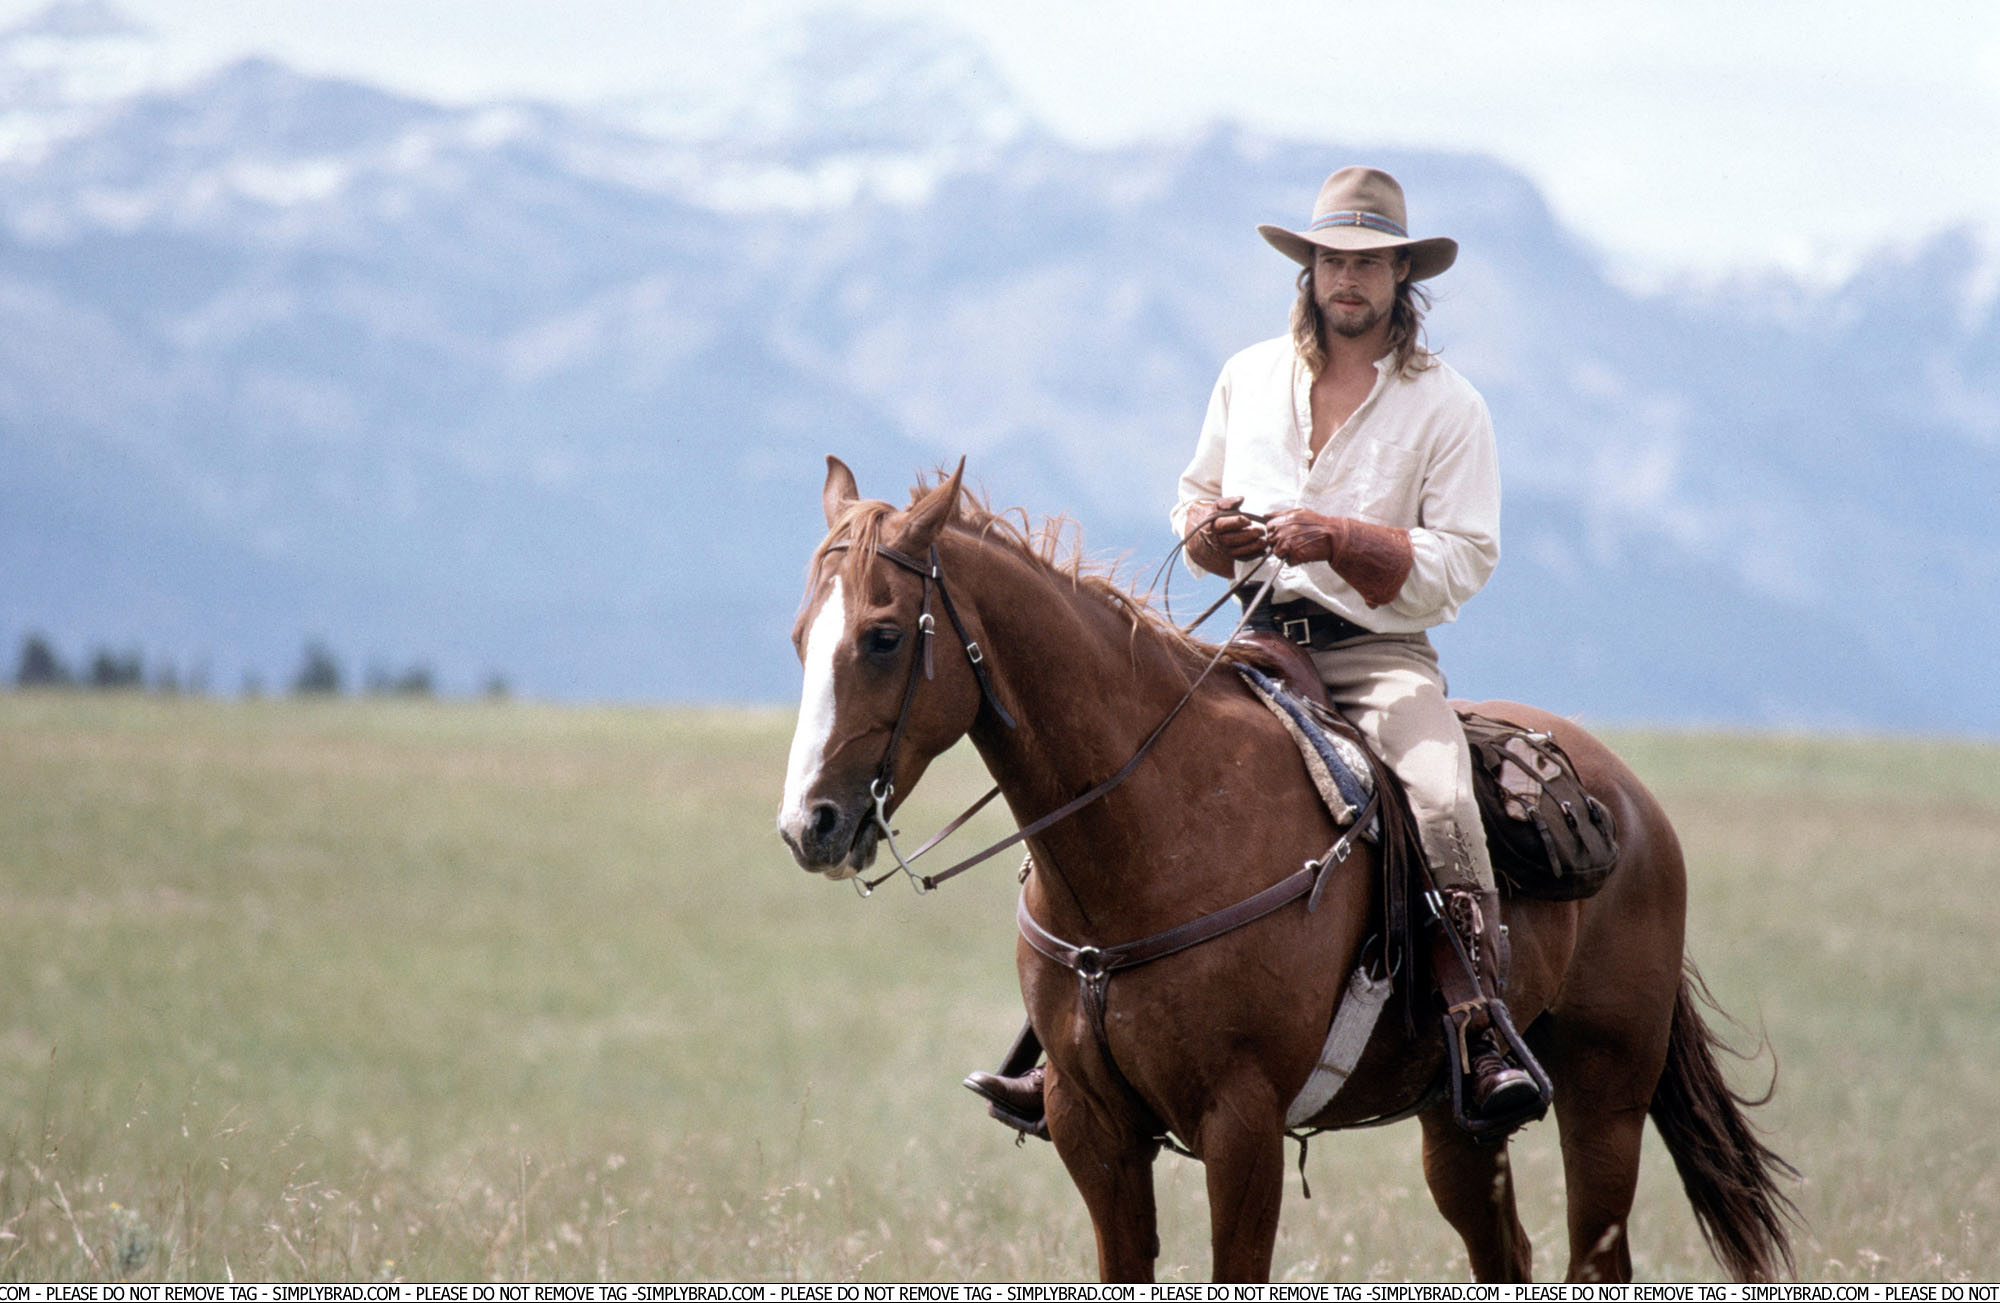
(1455, 543)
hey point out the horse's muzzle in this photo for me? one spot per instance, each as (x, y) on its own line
(830, 838)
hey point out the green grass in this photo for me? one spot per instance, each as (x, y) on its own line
(355, 989)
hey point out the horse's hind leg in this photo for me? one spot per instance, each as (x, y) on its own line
(1600, 1148)
(1606, 1061)
(1472, 1184)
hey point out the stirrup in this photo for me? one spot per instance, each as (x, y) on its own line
(1037, 1127)
(1497, 1126)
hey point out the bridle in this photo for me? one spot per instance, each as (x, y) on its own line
(882, 788)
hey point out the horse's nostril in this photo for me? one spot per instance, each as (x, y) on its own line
(825, 818)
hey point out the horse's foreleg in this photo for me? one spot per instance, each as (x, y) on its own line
(1245, 1160)
(1112, 1168)
(1473, 1186)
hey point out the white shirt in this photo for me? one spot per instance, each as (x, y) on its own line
(1418, 453)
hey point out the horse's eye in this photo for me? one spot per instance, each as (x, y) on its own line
(882, 640)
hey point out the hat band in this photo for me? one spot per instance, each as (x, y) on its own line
(1372, 221)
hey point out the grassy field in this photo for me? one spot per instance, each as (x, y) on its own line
(442, 991)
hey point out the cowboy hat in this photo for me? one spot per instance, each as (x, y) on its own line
(1362, 208)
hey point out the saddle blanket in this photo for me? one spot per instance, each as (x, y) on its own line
(1339, 768)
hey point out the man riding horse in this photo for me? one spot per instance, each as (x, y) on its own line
(1366, 466)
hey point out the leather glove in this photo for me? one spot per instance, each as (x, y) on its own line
(1217, 538)
(1374, 559)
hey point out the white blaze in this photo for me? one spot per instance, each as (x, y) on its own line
(815, 727)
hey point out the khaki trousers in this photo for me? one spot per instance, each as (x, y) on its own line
(1390, 686)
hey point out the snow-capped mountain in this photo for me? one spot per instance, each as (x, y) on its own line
(63, 72)
(521, 389)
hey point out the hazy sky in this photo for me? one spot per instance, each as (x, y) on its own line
(1704, 134)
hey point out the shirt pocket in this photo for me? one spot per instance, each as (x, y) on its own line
(1383, 483)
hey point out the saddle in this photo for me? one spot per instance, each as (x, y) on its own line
(1520, 776)
(1548, 838)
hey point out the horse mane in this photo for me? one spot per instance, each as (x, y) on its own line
(1055, 547)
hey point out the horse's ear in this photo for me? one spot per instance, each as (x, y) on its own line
(839, 491)
(929, 514)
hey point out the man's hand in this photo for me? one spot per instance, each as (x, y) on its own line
(1298, 536)
(1217, 537)
(1374, 559)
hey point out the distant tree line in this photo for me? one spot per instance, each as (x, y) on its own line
(319, 674)
(41, 666)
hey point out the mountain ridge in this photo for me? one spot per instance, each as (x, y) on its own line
(515, 389)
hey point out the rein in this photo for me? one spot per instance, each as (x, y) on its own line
(883, 788)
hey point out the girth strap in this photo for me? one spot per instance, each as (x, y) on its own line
(1094, 965)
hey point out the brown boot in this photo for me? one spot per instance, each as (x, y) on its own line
(1015, 1101)
(1013, 1094)
(1498, 1093)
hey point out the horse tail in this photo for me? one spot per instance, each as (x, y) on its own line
(1730, 1175)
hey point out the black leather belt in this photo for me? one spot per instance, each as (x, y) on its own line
(1306, 623)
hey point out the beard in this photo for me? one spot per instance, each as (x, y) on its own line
(1350, 323)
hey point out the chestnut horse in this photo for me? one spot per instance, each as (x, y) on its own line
(1065, 678)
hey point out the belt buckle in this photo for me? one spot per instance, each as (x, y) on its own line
(1303, 634)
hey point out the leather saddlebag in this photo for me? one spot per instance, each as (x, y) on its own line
(1549, 838)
